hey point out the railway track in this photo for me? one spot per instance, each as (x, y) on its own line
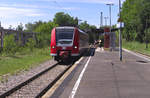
(37, 85)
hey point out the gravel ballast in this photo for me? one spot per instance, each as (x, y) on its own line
(12, 80)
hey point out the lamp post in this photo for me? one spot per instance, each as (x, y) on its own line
(110, 4)
(120, 36)
(105, 20)
(101, 20)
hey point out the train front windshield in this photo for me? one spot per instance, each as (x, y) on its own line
(64, 36)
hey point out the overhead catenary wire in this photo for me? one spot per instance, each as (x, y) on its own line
(63, 8)
(59, 5)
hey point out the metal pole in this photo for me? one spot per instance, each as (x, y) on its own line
(110, 16)
(101, 19)
(110, 25)
(120, 36)
(105, 20)
(110, 28)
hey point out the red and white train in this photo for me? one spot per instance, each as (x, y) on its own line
(68, 42)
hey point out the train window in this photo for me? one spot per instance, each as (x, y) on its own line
(64, 36)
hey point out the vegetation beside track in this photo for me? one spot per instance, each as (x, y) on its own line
(13, 64)
(136, 46)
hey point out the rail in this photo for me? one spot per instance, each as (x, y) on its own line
(14, 89)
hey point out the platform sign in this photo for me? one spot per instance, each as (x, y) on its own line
(118, 25)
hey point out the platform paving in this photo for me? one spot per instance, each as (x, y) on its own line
(107, 77)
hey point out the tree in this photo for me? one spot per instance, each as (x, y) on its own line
(30, 27)
(89, 29)
(147, 37)
(10, 27)
(144, 16)
(84, 26)
(93, 35)
(44, 34)
(130, 18)
(20, 27)
(63, 19)
(135, 14)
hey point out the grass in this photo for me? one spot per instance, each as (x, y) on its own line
(137, 47)
(13, 64)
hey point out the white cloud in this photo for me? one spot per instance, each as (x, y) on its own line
(11, 12)
(18, 10)
(15, 5)
(13, 24)
(63, 8)
(17, 13)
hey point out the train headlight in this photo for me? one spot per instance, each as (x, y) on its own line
(75, 47)
(53, 47)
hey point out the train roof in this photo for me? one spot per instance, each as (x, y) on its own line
(65, 27)
(68, 27)
(82, 32)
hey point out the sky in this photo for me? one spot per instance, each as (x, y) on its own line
(14, 12)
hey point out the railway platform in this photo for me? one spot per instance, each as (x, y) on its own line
(104, 76)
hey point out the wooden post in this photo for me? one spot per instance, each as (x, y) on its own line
(21, 39)
(18, 39)
(1, 37)
(35, 38)
(2, 41)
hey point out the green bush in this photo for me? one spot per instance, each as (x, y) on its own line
(10, 46)
(30, 44)
(136, 46)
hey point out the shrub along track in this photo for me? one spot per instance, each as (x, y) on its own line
(37, 85)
